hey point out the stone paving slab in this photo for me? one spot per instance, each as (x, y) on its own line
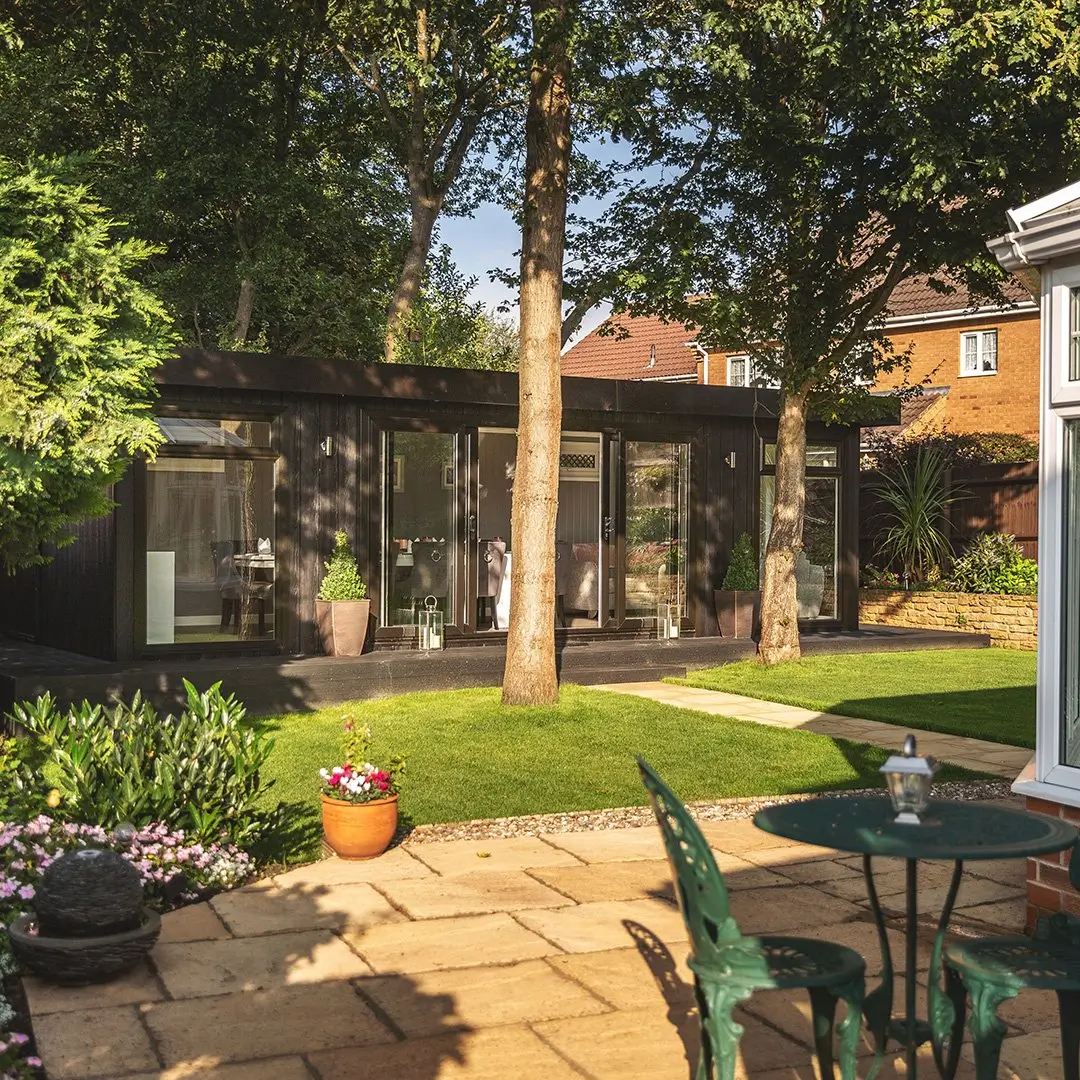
(197, 922)
(283, 1068)
(593, 927)
(263, 1024)
(205, 968)
(506, 1053)
(93, 1043)
(451, 857)
(611, 845)
(632, 978)
(468, 941)
(438, 1001)
(611, 881)
(135, 986)
(471, 894)
(397, 864)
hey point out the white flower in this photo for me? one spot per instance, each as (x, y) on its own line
(338, 770)
(324, 774)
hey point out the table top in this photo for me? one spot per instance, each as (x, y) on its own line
(257, 559)
(948, 829)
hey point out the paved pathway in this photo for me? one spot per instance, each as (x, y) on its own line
(978, 754)
(554, 956)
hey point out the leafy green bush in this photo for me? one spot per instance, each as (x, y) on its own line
(994, 563)
(971, 448)
(20, 800)
(873, 577)
(342, 580)
(742, 571)
(199, 771)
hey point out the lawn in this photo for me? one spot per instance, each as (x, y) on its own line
(984, 693)
(468, 757)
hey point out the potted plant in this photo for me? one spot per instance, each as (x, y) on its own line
(342, 607)
(738, 600)
(359, 800)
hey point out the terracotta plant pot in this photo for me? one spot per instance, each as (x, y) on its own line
(343, 625)
(738, 612)
(359, 830)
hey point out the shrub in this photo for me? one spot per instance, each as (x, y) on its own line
(974, 448)
(873, 577)
(342, 580)
(198, 772)
(742, 571)
(917, 501)
(994, 563)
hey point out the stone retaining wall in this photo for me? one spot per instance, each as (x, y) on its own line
(1011, 621)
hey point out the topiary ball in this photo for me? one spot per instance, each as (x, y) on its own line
(88, 893)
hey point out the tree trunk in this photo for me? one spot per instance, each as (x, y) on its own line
(779, 604)
(530, 677)
(424, 214)
(245, 305)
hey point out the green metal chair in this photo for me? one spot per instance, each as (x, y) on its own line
(994, 970)
(728, 967)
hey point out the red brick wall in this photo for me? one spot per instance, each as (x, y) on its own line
(1007, 401)
(1048, 888)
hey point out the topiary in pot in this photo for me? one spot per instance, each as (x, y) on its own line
(342, 608)
(738, 600)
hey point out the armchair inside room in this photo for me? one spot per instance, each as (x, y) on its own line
(809, 587)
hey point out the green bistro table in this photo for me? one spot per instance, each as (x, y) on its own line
(954, 831)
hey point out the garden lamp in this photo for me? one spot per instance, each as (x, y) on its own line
(432, 636)
(909, 777)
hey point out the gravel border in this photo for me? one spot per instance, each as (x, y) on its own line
(632, 816)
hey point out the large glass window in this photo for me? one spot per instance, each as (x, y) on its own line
(656, 512)
(817, 565)
(421, 521)
(210, 538)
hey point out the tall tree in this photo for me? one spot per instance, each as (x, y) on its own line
(530, 677)
(447, 79)
(812, 157)
(221, 133)
(79, 341)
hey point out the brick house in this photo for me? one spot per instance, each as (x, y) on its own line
(979, 366)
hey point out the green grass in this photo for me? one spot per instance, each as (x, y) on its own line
(983, 693)
(468, 757)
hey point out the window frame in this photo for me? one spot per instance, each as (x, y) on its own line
(207, 451)
(979, 337)
(748, 360)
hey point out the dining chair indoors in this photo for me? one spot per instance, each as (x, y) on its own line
(728, 967)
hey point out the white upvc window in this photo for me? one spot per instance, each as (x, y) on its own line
(742, 371)
(979, 353)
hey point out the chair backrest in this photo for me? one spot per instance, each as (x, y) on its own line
(703, 898)
(221, 552)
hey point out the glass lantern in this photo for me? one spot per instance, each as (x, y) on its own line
(909, 777)
(668, 616)
(430, 623)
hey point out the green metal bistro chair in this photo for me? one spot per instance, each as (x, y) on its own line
(728, 967)
(994, 970)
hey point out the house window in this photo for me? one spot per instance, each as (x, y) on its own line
(1074, 334)
(742, 371)
(979, 353)
(210, 533)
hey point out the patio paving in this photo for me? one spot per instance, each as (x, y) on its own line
(560, 956)
(977, 754)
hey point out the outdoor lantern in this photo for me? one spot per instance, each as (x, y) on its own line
(430, 622)
(909, 777)
(668, 616)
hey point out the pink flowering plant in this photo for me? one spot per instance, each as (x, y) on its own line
(173, 869)
(14, 1064)
(357, 780)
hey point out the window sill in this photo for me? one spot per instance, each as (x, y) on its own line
(1027, 786)
(976, 374)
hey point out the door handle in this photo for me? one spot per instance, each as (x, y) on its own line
(471, 524)
(608, 526)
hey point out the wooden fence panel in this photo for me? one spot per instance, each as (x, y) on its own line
(990, 498)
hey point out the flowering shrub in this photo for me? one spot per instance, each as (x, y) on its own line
(157, 853)
(995, 563)
(12, 1063)
(358, 781)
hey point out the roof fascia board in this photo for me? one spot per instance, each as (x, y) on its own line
(1023, 307)
(1021, 215)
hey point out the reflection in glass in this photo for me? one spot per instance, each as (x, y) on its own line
(497, 454)
(190, 431)
(1070, 608)
(421, 525)
(210, 563)
(816, 567)
(579, 564)
(817, 457)
(656, 511)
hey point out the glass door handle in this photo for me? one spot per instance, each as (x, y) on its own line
(471, 524)
(608, 527)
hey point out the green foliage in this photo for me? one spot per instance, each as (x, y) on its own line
(972, 448)
(445, 328)
(994, 563)
(742, 571)
(22, 793)
(199, 771)
(342, 580)
(79, 341)
(917, 502)
(874, 577)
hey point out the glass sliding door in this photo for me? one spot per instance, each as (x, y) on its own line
(1070, 608)
(496, 463)
(657, 484)
(422, 521)
(580, 566)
